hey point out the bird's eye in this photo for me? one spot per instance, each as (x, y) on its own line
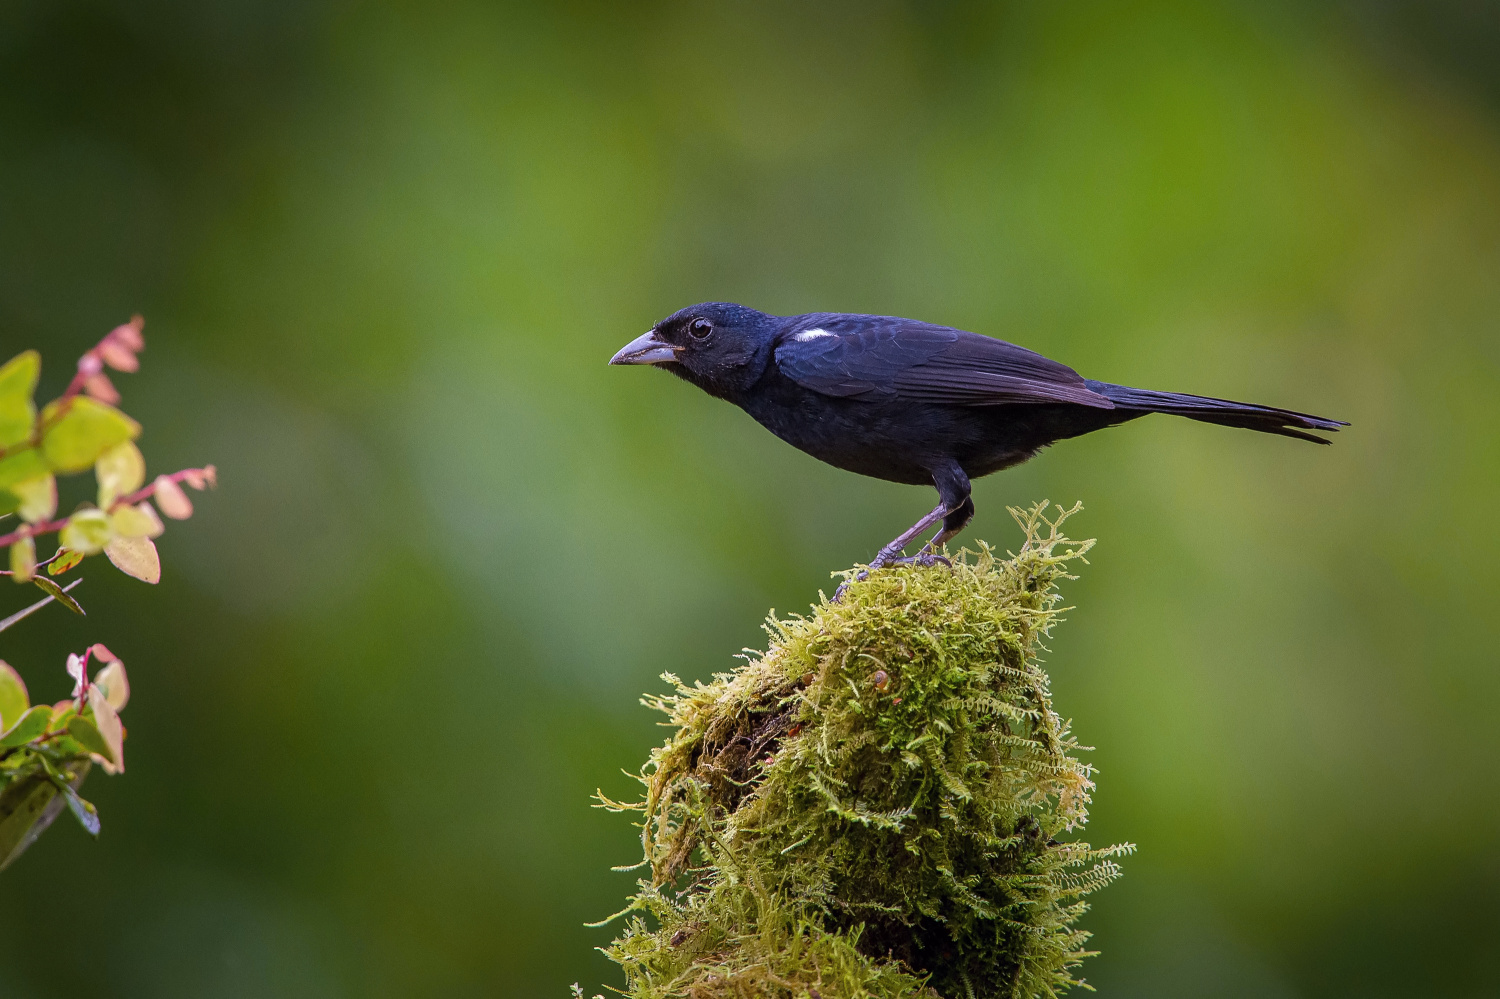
(700, 329)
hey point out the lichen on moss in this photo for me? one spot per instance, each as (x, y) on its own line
(872, 807)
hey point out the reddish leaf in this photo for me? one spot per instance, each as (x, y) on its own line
(100, 387)
(173, 501)
(129, 333)
(118, 355)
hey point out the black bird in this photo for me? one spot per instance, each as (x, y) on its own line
(911, 402)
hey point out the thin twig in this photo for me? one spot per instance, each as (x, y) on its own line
(28, 611)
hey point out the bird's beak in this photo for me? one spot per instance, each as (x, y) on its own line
(648, 348)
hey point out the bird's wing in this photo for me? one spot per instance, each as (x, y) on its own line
(873, 357)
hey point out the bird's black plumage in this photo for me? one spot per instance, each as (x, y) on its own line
(912, 402)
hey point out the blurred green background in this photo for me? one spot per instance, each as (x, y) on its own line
(384, 251)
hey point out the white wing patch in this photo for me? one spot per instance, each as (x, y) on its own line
(806, 335)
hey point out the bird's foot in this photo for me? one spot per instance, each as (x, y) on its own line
(838, 594)
(923, 558)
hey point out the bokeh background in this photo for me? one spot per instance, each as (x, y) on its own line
(384, 250)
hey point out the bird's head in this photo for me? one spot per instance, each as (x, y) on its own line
(721, 347)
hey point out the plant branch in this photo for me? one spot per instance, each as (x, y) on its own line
(205, 474)
(26, 612)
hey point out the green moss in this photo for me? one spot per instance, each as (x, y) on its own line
(873, 807)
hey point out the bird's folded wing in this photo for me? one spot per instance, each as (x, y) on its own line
(873, 357)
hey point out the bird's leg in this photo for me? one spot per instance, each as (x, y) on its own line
(893, 551)
(953, 523)
(958, 509)
(955, 511)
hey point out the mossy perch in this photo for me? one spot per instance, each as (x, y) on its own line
(872, 807)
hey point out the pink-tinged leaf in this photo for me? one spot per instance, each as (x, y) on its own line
(118, 355)
(13, 697)
(65, 561)
(108, 722)
(38, 498)
(173, 501)
(23, 559)
(135, 557)
(89, 364)
(112, 680)
(79, 672)
(101, 652)
(201, 478)
(100, 387)
(129, 333)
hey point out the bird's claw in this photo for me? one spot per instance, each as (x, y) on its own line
(838, 594)
(924, 559)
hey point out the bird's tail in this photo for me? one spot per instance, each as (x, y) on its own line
(1266, 419)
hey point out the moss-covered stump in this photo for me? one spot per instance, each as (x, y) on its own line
(874, 806)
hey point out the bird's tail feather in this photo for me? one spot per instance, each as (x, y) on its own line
(1266, 419)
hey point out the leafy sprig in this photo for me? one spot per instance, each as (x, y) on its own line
(78, 430)
(47, 750)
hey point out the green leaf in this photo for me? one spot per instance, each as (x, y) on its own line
(89, 737)
(38, 498)
(26, 810)
(67, 560)
(17, 383)
(119, 471)
(31, 725)
(62, 713)
(87, 531)
(84, 811)
(79, 431)
(23, 559)
(13, 697)
(139, 521)
(54, 591)
(22, 466)
(135, 557)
